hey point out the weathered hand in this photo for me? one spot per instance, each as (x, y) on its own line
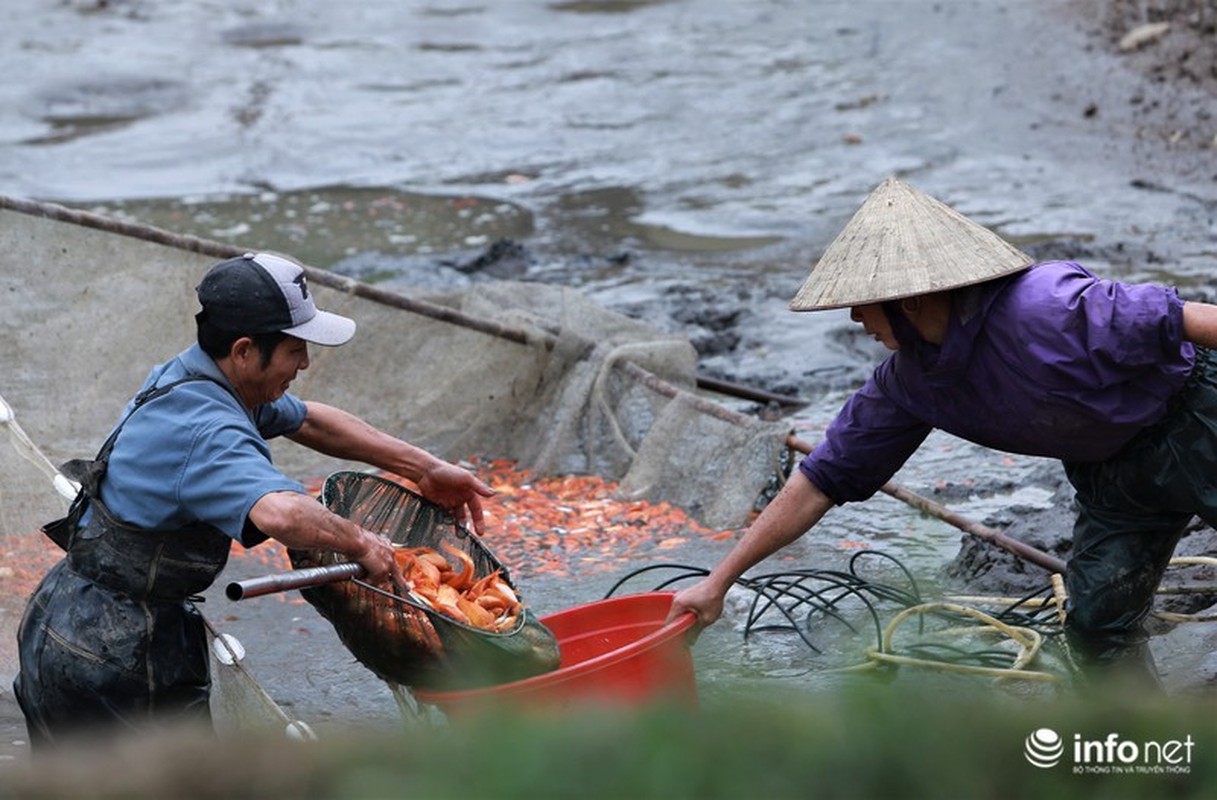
(703, 599)
(376, 558)
(457, 490)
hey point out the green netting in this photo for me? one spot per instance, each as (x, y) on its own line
(403, 641)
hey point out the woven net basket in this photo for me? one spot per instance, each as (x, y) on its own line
(404, 641)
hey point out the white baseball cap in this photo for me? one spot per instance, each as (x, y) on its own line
(265, 293)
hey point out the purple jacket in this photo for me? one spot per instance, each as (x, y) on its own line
(1048, 362)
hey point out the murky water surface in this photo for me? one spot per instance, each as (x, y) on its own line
(672, 159)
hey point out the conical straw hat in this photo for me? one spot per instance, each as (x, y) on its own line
(902, 243)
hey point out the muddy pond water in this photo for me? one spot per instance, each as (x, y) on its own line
(681, 162)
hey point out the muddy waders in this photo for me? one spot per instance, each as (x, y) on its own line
(111, 635)
(1134, 507)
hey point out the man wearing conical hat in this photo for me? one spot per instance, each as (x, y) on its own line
(1041, 359)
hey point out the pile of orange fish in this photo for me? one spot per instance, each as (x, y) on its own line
(487, 602)
(576, 525)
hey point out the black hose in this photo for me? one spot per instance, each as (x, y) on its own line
(801, 597)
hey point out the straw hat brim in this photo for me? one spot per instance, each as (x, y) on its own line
(902, 243)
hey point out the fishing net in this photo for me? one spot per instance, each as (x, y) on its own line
(403, 640)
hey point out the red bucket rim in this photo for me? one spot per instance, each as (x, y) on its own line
(564, 674)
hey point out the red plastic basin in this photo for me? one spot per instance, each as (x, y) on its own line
(615, 651)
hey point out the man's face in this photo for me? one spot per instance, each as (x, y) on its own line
(264, 384)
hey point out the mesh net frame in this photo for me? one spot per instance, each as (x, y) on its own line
(404, 641)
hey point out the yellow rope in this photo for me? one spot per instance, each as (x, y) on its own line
(945, 666)
(1190, 561)
(1028, 649)
(1059, 595)
(993, 600)
(1028, 641)
(1193, 561)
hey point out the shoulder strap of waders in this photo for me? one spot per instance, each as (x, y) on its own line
(89, 473)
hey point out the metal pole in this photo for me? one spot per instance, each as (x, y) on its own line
(293, 579)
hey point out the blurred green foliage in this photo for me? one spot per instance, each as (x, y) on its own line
(954, 740)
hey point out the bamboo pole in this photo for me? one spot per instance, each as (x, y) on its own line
(928, 506)
(733, 389)
(194, 244)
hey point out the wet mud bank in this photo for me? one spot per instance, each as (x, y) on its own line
(1171, 43)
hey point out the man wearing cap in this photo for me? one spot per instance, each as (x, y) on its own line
(111, 635)
(1113, 379)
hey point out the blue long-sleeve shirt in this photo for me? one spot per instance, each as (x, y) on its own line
(1052, 361)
